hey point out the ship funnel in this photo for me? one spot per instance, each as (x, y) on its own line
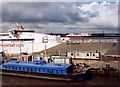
(18, 26)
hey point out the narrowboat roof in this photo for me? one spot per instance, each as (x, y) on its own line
(33, 65)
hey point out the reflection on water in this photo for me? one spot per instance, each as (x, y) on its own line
(97, 80)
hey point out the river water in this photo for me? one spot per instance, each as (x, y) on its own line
(96, 80)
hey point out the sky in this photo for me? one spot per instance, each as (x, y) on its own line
(58, 0)
(97, 0)
(62, 17)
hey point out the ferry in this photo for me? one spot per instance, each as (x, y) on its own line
(26, 40)
(78, 35)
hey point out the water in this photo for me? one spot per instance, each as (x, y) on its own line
(97, 80)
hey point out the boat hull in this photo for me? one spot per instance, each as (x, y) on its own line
(68, 77)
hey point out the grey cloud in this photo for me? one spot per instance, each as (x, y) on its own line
(31, 14)
(40, 12)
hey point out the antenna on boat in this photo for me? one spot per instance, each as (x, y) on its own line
(19, 26)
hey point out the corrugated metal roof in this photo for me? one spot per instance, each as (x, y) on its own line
(33, 65)
(104, 48)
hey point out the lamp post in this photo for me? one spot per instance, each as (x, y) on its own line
(101, 56)
(70, 46)
(59, 52)
(3, 47)
(32, 48)
(45, 50)
(45, 40)
(2, 50)
(20, 49)
(2, 43)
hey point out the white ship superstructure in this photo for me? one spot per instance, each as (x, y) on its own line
(26, 40)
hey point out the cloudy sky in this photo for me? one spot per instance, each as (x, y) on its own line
(62, 17)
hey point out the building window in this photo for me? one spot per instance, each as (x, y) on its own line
(87, 54)
(77, 54)
(93, 54)
(71, 54)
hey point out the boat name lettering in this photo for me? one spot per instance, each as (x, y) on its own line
(12, 45)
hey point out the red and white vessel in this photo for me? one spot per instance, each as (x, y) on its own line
(25, 40)
(78, 35)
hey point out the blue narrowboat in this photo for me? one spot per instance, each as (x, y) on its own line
(41, 69)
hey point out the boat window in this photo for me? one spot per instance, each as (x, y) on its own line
(51, 71)
(17, 39)
(35, 69)
(47, 70)
(31, 70)
(12, 32)
(13, 68)
(23, 68)
(58, 64)
(61, 72)
(57, 71)
(5, 67)
(15, 32)
(16, 68)
(19, 68)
